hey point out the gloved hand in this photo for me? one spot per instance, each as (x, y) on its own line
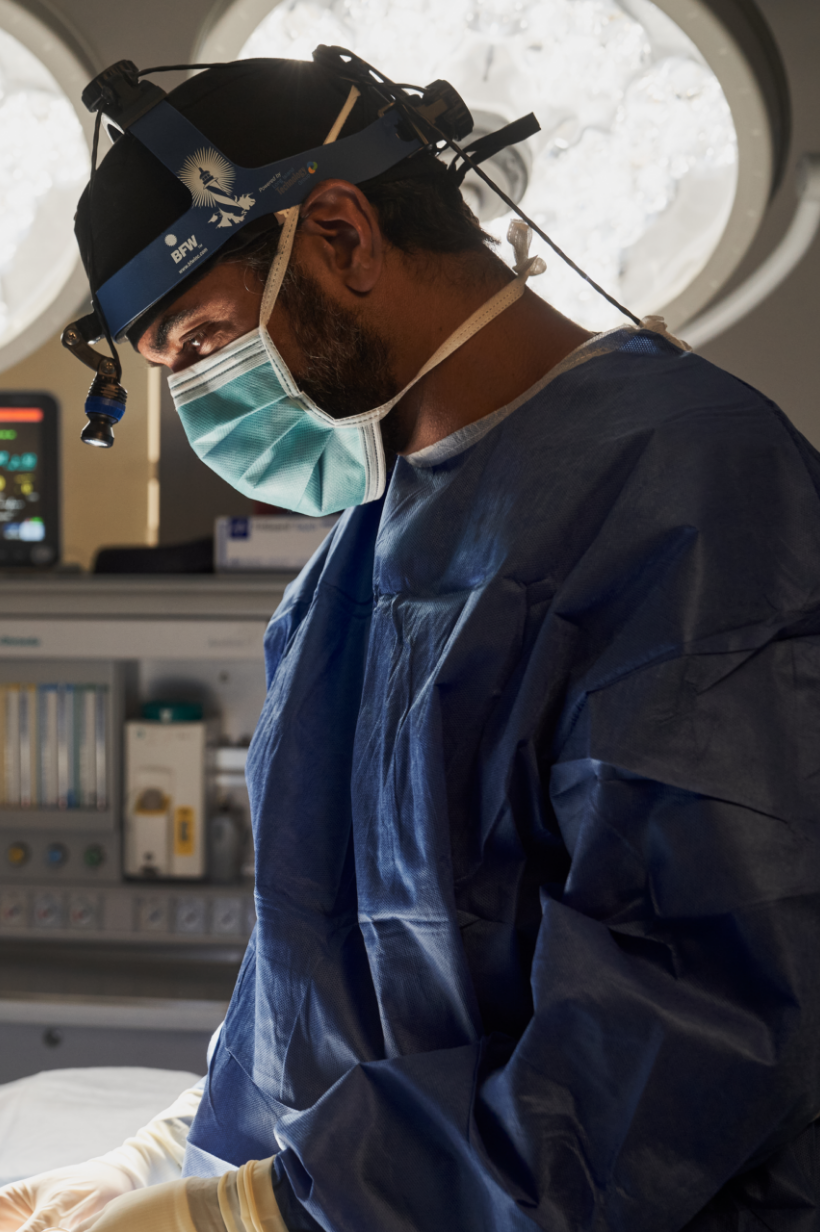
(72, 1197)
(241, 1201)
(65, 1197)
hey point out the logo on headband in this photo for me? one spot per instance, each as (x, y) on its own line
(313, 168)
(209, 178)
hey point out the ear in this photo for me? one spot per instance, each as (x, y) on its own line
(339, 237)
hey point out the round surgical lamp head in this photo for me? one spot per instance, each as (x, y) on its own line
(44, 156)
(664, 125)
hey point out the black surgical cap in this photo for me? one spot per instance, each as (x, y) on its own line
(255, 112)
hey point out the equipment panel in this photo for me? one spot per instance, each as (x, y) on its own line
(64, 801)
(127, 913)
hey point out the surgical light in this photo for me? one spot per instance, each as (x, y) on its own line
(651, 171)
(44, 162)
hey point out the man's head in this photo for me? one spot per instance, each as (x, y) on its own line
(355, 252)
(352, 241)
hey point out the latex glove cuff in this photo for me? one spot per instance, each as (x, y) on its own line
(246, 1201)
(241, 1201)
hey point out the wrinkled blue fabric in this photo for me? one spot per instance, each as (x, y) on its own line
(535, 797)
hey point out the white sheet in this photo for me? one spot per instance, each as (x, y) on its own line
(65, 1116)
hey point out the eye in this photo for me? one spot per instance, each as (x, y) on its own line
(195, 342)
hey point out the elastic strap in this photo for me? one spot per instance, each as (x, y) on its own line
(658, 326)
(519, 235)
(502, 299)
(289, 219)
(279, 265)
(339, 122)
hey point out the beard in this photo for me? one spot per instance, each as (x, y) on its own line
(346, 367)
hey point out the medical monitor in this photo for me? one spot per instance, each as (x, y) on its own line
(29, 480)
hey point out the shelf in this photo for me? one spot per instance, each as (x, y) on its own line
(208, 597)
(119, 638)
(134, 1013)
(27, 819)
(176, 618)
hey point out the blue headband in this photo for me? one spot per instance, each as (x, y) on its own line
(226, 198)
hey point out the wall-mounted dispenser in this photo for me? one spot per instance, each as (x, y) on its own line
(165, 760)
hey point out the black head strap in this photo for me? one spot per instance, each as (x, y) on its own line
(492, 143)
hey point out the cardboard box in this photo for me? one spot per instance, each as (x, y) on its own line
(261, 544)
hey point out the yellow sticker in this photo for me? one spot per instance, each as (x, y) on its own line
(183, 831)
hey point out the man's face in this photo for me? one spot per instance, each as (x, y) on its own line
(216, 311)
(337, 359)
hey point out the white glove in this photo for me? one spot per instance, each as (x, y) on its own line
(241, 1201)
(156, 1152)
(74, 1196)
(65, 1197)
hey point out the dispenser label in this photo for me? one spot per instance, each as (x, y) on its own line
(183, 831)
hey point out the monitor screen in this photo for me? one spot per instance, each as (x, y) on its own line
(29, 476)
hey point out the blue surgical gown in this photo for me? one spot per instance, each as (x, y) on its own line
(535, 795)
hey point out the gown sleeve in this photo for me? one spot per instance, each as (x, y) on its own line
(674, 1039)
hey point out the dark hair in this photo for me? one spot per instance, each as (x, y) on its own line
(426, 214)
(417, 214)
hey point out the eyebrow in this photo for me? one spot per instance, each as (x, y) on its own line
(169, 322)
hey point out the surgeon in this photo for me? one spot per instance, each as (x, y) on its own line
(536, 787)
